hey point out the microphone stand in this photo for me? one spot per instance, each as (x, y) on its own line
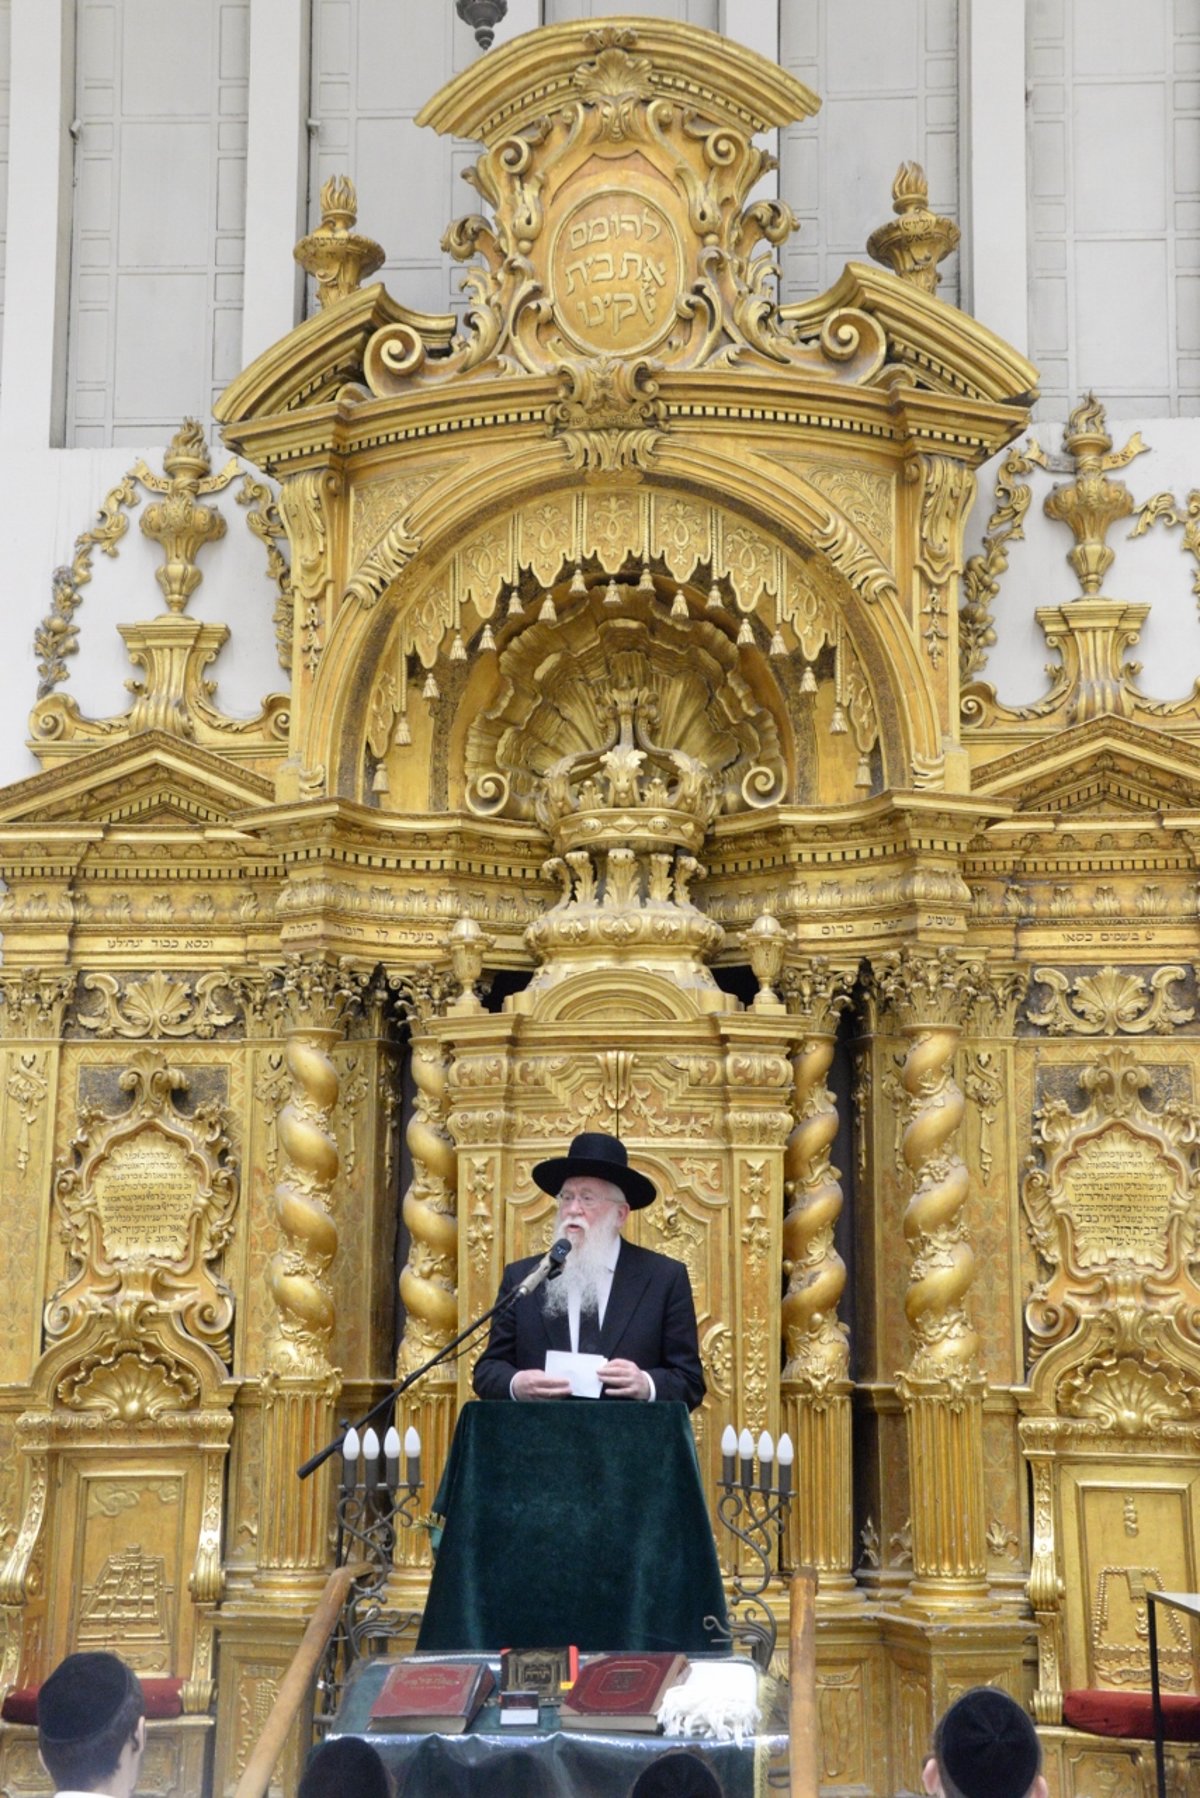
(389, 1398)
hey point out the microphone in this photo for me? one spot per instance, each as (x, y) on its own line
(548, 1268)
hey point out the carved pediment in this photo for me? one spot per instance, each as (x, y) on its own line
(1105, 767)
(147, 779)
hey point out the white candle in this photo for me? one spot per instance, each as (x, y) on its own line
(766, 1454)
(412, 1456)
(350, 1453)
(391, 1455)
(370, 1457)
(746, 1456)
(787, 1455)
(729, 1444)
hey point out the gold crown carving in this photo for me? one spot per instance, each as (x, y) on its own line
(632, 794)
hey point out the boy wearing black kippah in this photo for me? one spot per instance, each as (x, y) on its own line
(92, 1726)
(985, 1747)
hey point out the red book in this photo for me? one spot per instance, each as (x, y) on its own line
(621, 1691)
(439, 1697)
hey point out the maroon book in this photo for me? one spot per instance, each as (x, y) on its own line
(621, 1691)
(436, 1697)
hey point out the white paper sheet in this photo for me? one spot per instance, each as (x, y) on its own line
(579, 1369)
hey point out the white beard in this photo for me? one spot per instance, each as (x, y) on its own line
(582, 1272)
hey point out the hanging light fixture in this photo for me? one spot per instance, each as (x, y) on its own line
(482, 16)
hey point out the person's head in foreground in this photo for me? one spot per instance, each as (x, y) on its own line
(985, 1747)
(344, 1765)
(679, 1773)
(92, 1725)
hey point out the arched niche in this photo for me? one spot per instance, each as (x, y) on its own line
(415, 661)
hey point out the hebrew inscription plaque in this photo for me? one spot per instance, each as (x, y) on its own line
(1118, 1190)
(146, 1188)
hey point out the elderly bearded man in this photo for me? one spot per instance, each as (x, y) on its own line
(612, 1298)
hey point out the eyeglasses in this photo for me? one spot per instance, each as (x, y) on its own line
(589, 1200)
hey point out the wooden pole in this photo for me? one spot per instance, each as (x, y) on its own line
(294, 1686)
(802, 1685)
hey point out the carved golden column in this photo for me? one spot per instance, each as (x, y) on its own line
(304, 506)
(929, 993)
(816, 1387)
(300, 1385)
(429, 1278)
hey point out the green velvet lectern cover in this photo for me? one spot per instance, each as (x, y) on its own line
(574, 1521)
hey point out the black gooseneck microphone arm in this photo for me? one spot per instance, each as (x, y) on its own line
(552, 1263)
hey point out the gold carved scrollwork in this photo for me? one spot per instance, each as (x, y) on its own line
(983, 572)
(607, 416)
(666, 258)
(1112, 1202)
(147, 1201)
(303, 502)
(264, 521)
(27, 1087)
(1110, 1001)
(157, 1005)
(947, 489)
(57, 636)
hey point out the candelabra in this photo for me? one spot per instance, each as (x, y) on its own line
(753, 1506)
(373, 1502)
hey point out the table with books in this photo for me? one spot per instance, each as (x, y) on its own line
(436, 1721)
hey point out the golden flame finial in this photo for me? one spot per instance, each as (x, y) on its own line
(916, 240)
(336, 256)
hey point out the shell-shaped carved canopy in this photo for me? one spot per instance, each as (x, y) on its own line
(556, 699)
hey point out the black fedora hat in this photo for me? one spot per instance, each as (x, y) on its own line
(605, 1158)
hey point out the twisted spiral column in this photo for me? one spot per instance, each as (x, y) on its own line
(301, 1385)
(429, 1279)
(942, 1389)
(815, 1391)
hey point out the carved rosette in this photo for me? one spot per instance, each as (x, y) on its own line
(816, 1388)
(930, 993)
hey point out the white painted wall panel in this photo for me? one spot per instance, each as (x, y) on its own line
(888, 80)
(5, 38)
(157, 246)
(693, 12)
(1114, 224)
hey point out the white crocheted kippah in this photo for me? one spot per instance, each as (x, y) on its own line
(718, 1699)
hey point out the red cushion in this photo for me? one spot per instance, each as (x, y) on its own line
(1132, 1714)
(162, 1698)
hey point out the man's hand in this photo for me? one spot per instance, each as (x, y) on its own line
(531, 1382)
(624, 1379)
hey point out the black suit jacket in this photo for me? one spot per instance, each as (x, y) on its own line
(649, 1319)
